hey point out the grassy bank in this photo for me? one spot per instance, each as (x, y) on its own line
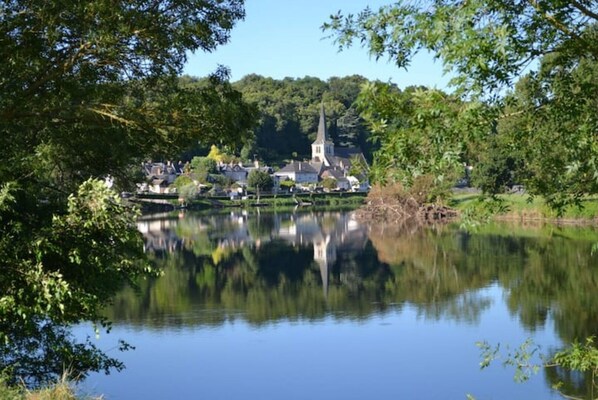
(341, 199)
(521, 207)
(59, 391)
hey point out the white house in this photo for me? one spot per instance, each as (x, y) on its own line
(298, 171)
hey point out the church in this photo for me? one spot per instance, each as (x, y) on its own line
(328, 162)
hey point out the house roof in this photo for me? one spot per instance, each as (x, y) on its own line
(233, 168)
(161, 170)
(160, 182)
(298, 167)
(334, 173)
(267, 170)
(317, 165)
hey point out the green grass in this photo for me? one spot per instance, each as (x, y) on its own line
(515, 228)
(521, 206)
(278, 201)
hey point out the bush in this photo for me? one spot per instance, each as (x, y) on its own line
(329, 183)
(260, 180)
(287, 184)
(182, 181)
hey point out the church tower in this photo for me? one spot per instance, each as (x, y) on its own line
(322, 147)
(325, 257)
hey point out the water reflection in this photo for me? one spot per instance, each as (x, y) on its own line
(327, 233)
(271, 269)
(265, 267)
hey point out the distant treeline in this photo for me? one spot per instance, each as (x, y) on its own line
(288, 112)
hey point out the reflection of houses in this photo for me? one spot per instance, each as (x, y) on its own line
(159, 235)
(330, 234)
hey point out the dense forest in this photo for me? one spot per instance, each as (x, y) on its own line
(288, 112)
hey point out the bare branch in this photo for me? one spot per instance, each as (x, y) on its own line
(586, 11)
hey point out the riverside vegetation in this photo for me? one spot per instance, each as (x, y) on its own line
(542, 133)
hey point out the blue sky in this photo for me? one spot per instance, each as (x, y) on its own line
(282, 38)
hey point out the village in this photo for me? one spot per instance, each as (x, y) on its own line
(331, 168)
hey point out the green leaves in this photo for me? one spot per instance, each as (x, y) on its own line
(523, 358)
(289, 110)
(485, 44)
(77, 264)
(542, 135)
(527, 361)
(87, 89)
(582, 357)
(420, 132)
(259, 180)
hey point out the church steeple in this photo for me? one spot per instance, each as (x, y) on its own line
(322, 136)
(322, 146)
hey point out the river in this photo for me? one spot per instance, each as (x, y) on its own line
(316, 305)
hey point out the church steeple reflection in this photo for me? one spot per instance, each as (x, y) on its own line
(327, 232)
(325, 257)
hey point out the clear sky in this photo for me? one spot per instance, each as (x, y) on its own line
(282, 38)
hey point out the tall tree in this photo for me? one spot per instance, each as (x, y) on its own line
(89, 88)
(486, 45)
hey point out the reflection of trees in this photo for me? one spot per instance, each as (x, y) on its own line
(223, 272)
(262, 225)
(271, 282)
(574, 384)
(44, 351)
(545, 275)
(433, 270)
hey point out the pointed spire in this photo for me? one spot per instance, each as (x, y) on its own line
(322, 136)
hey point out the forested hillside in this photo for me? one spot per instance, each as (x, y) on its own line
(289, 111)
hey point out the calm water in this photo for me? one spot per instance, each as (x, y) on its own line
(319, 306)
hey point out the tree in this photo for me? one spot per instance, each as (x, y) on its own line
(550, 123)
(89, 89)
(420, 132)
(215, 154)
(486, 45)
(287, 184)
(259, 180)
(359, 168)
(574, 368)
(202, 167)
(186, 188)
(329, 183)
(289, 111)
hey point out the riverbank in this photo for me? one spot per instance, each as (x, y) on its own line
(515, 207)
(168, 202)
(61, 390)
(523, 208)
